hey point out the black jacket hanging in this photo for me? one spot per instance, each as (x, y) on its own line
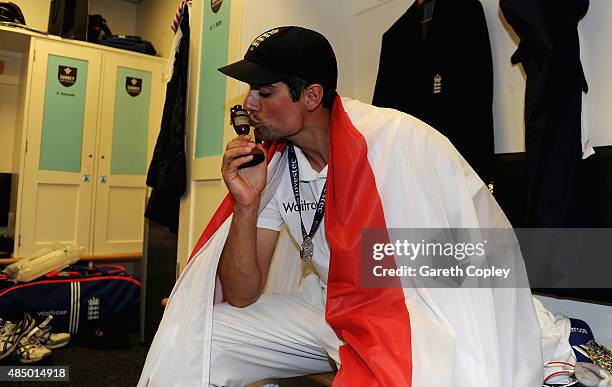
(168, 172)
(550, 54)
(444, 78)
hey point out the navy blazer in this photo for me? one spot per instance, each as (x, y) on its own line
(444, 79)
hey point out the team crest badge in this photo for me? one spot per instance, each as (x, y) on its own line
(133, 86)
(67, 75)
(215, 5)
(437, 84)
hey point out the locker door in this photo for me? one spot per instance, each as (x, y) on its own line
(56, 199)
(130, 120)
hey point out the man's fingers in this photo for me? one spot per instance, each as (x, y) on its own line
(234, 158)
(237, 152)
(242, 140)
(236, 144)
(238, 161)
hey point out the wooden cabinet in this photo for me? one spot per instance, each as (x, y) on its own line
(91, 115)
(56, 196)
(130, 118)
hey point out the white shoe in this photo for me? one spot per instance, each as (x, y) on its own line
(29, 348)
(12, 333)
(51, 340)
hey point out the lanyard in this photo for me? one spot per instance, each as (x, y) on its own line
(307, 248)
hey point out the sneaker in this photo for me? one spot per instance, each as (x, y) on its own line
(29, 348)
(11, 333)
(51, 340)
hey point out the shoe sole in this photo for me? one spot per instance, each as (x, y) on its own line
(29, 361)
(56, 346)
(14, 347)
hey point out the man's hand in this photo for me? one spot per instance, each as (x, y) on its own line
(245, 185)
(245, 259)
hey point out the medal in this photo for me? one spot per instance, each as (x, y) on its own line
(307, 247)
(306, 250)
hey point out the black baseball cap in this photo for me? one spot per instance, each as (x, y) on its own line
(282, 52)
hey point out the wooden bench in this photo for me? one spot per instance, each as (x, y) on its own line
(325, 379)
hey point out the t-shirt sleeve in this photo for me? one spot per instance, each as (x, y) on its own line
(270, 217)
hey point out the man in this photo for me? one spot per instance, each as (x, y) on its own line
(336, 167)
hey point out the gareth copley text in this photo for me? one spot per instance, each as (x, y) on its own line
(431, 272)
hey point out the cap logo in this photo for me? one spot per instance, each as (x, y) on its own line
(258, 40)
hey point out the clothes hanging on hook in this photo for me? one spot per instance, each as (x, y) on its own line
(167, 173)
(549, 51)
(426, 8)
(178, 15)
(447, 80)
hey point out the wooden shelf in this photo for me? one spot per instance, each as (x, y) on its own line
(9, 80)
(112, 257)
(126, 257)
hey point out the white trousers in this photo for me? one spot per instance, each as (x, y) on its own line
(279, 336)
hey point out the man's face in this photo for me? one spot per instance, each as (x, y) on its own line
(273, 113)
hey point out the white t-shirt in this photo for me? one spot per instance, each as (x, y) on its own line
(282, 210)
